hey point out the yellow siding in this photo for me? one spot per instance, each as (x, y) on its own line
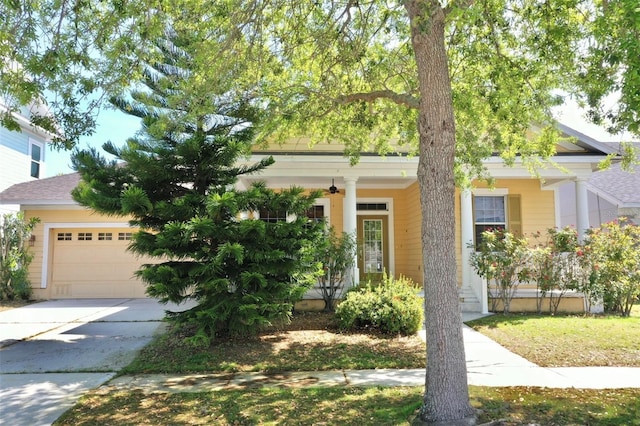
(538, 213)
(408, 238)
(307, 145)
(337, 218)
(529, 304)
(538, 206)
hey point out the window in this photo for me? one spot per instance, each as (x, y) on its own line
(124, 236)
(272, 217)
(372, 245)
(496, 209)
(36, 152)
(64, 236)
(372, 207)
(316, 213)
(85, 236)
(489, 213)
(104, 236)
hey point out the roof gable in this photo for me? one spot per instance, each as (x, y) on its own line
(53, 190)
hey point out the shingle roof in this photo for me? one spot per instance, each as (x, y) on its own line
(585, 141)
(620, 185)
(53, 190)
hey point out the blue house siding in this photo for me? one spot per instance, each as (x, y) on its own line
(16, 141)
(15, 160)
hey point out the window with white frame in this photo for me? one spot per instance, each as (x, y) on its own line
(36, 152)
(316, 213)
(489, 212)
(272, 216)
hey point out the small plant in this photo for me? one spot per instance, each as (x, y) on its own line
(14, 256)
(392, 306)
(502, 260)
(336, 253)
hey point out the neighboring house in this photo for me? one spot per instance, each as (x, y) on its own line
(612, 193)
(22, 153)
(79, 253)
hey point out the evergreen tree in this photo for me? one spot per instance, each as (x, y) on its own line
(175, 181)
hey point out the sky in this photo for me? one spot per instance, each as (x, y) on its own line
(117, 127)
(112, 125)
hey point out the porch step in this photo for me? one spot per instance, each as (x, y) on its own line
(469, 302)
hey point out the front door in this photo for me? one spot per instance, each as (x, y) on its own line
(373, 240)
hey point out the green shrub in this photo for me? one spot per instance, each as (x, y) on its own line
(15, 257)
(392, 306)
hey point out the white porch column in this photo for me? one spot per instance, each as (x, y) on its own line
(469, 278)
(582, 208)
(350, 223)
(466, 232)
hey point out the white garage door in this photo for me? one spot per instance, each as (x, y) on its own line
(94, 263)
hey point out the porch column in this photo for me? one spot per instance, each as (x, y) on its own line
(350, 222)
(469, 278)
(466, 232)
(582, 208)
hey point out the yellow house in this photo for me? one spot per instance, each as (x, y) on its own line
(81, 254)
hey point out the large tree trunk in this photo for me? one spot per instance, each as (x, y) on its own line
(446, 399)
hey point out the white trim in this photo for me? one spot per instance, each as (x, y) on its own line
(556, 202)
(496, 192)
(486, 192)
(27, 126)
(390, 225)
(326, 205)
(62, 225)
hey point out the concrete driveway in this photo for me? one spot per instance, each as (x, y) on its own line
(52, 352)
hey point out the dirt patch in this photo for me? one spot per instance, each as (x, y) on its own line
(5, 305)
(310, 342)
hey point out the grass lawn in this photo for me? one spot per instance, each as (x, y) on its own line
(351, 406)
(309, 343)
(567, 341)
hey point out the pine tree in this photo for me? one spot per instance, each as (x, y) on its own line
(175, 181)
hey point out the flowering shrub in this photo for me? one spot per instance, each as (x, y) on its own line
(502, 259)
(555, 266)
(605, 268)
(614, 255)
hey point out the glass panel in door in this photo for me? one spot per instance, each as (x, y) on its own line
(373, 257)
